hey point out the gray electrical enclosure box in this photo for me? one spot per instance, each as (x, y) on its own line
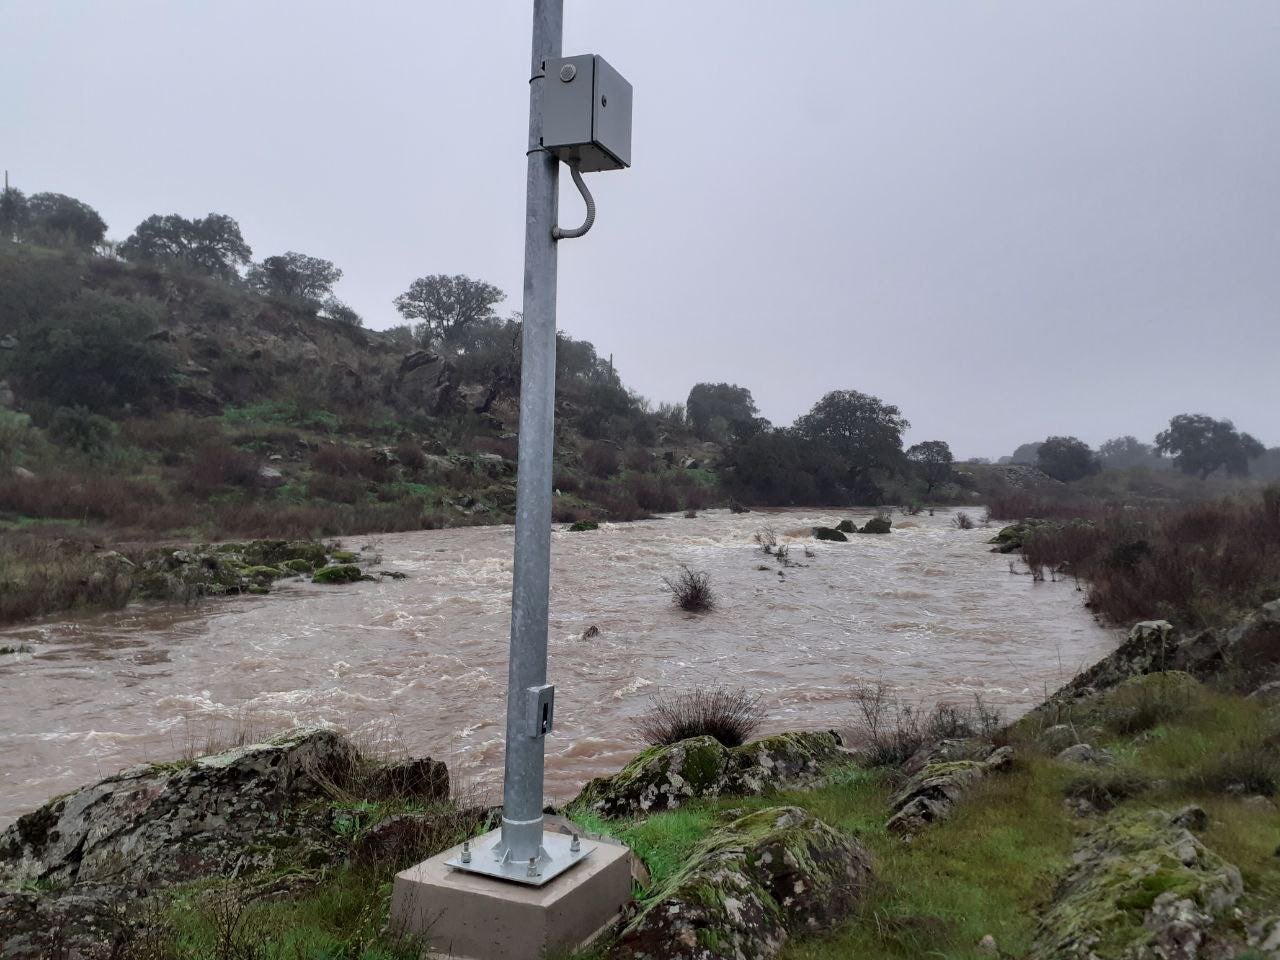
(541, 709)
(586, 113)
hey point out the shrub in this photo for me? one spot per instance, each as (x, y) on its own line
(1245, 771)
(1104, 789)
(217, 464)
(691, 590)
(410, 455)
(962, 521)
(601, 459)
(730, 715)
(81, 430)
(581, 526)
(894, 730)
(1199, 564)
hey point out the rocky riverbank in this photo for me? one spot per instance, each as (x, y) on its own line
(1132, 815)
(45, 577)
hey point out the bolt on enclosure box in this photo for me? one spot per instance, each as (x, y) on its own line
(586, 113)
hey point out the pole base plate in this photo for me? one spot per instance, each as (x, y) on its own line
(558, 858)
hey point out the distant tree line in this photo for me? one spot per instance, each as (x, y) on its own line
(1194, 444)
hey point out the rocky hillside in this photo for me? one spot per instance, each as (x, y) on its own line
(142, 402)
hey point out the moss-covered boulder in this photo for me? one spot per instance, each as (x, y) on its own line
(276, 553)
(846, 526)
(932, 794)
(829, 533)
(299, 565)
(1141, 885)
(338, 573)
(877, 525)
(343, 556)
(750, 885)
(263, 574)
(666, 777)
(581, 526)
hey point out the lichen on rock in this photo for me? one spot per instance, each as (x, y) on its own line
(1141, 886)
(747, 887)
(666, 777)
(932, 794)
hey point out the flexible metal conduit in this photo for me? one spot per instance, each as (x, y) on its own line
(557, 233)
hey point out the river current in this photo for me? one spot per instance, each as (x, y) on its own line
(418, 665)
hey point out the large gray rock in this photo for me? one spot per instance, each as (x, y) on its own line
(666, 777)
(932, 794)
(1141, 886)
(771, 874)
(167, 822)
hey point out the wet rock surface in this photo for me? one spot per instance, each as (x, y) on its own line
(1141, 886)
(748, 887)
(666, 777)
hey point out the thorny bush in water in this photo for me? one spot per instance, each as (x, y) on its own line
(691, 590)
(894, 730)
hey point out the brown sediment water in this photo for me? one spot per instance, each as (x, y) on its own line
(419, 664)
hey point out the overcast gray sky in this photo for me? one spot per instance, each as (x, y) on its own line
(1010, 219)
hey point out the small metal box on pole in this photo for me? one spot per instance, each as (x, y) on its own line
(587, 113)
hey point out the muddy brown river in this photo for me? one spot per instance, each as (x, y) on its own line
(419, 665)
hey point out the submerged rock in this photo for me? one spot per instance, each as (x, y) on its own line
(747, 887)
(846, 526)
(877, 525)
(932, 794)
(665, 777)
(829, 533)
(338, 573)
(1141, 886)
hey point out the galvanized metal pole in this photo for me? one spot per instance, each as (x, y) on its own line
(522, 789)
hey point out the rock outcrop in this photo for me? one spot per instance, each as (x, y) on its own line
(932, 793)
(747, 887)
(1141, 886)
(666, 777)
(168, 822)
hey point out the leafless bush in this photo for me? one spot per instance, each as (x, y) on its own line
(910, 509)
(730, 715)
(767, 537)
(962, 521)
(691, 590)
(895, 729)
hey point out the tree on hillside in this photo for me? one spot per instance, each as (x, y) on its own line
(54, 219)
(1202, 445)
(211, 245)
(13, 213)
(1121, 453)
(1066, 459)
(932, 459)
(445, 307)
(1026, 453)
(720, 410)
(93, 352)
(335, 308)
(294, 276)
(863, 431)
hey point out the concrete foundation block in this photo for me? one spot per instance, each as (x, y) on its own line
(466, 916)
